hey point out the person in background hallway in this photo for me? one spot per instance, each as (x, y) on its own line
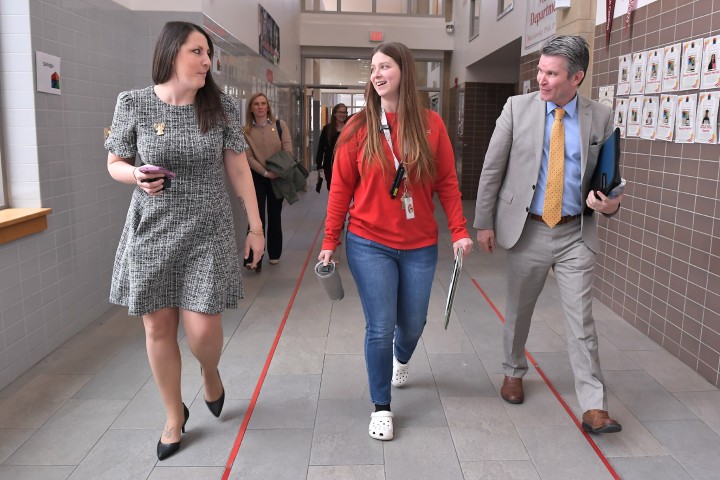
(530, 201)
(392, 240)
(328, 138)
(263, 137)
(177, 252)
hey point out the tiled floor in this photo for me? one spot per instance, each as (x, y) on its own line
(91, 410)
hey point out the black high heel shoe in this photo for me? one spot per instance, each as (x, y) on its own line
(167, 450)
(216, 406)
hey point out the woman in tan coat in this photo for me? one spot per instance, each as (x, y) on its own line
(264, 139)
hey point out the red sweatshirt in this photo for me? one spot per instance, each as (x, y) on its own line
(377, 217)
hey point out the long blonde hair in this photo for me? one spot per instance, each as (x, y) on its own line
(411, 120)
(250, 118)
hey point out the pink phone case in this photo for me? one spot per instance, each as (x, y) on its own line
(156, 169)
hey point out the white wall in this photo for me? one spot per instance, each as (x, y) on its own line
(494, 33)
(162, 5)
(240, 18)
(350, 30)
(17, 87)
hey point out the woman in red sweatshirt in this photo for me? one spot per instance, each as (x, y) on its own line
(390, 160)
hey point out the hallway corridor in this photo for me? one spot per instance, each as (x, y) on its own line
(91, 410)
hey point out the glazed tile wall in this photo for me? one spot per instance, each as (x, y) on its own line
(659, 264)
(55, 283)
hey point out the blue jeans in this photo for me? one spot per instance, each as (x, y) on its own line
(394, 287)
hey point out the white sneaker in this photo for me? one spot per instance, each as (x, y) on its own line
(381, 425)
(401, 373)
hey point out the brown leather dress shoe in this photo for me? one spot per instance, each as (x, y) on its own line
(512, 390)
(598, 421)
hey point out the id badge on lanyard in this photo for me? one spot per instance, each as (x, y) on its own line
(406, 201)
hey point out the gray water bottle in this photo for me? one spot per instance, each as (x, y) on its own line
(330, 281)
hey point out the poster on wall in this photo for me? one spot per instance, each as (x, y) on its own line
(691, 61)
(621, 110)
(685, 118)
(706, 126)
(269, 36)
(633, 119)
(649, 118)
(47, 73)
(623, 87)
(607, 94)
(639, 63)
(671, 72)
(653, 76)
(711, 52)
(666, 118)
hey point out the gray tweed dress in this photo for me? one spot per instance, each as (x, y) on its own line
(178, 248)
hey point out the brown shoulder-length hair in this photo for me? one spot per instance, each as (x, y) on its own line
(250, 118)
(208, 106)
(411, 120)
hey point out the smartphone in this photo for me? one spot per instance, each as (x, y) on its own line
(150, 169)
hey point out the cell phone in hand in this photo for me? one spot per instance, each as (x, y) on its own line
(150, 169)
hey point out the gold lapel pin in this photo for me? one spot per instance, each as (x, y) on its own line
(159, 128)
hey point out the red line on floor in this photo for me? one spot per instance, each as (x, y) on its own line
(587, 436)
(268, 360)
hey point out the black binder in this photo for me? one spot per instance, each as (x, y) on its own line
(607, 171)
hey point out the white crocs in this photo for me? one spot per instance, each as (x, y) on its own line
(401, 373)
(381, 425)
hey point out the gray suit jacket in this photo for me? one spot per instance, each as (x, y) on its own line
(512, 165)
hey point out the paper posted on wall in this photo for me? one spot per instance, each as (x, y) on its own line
(453, 286)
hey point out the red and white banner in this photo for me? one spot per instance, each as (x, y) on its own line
(609, 14)
(631, 9)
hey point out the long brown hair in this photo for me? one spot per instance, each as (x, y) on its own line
(333, 120)
(250, 118)
(411, 120)
(208, 106)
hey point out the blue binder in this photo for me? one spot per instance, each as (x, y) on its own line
(607, 171)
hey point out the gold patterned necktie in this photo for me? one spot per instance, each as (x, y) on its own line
(552, 208)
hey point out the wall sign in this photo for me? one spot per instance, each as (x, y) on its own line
(539, 24)
(47, 73)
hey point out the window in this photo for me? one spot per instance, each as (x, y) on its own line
(359, 6)
(474, 18)
(432, 8)
(321, 5)
(504, 7)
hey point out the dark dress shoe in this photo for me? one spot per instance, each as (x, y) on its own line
(598, 421)
(167, 450)
(216, 406)
(512, 390)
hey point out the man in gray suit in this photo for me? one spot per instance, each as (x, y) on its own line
(533, 189)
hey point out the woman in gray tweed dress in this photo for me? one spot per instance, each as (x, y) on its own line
(177, 251)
